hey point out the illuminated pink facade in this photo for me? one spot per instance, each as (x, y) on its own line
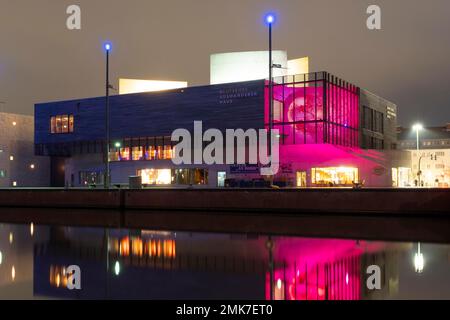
(318, 118)
(314, 109)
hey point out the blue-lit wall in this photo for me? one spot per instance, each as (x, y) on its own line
(238, 105)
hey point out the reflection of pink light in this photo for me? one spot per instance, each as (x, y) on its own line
(306, 262)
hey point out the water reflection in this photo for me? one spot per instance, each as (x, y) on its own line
(146, 264)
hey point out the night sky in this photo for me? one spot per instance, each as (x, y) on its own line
(406, 62)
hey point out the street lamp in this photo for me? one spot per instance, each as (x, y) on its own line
(270, 19)
(107, 48)
(417, 128)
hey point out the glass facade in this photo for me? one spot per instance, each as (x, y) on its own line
(314, 108)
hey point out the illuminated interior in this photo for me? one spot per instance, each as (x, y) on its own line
(401, 177)
(156, 176)
(301, 179)
(61, 124)
(127, 86)
(335, 176)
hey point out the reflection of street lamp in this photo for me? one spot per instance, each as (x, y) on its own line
(117, 268)
(417, 128)
(269, 247)
(419, 261)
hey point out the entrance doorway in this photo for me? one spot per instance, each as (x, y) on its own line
(301, 179)
(221, 176)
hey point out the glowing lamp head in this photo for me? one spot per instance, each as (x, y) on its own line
(117, 268)
(418, 127)
(270, 19)
(107, 46)
(419, 262)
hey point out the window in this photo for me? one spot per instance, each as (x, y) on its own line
(145, 149)
(150, 153)
(301, 179)
(90, 177)
(159, 152)
(155, 176)
(138, 153)
(175, 176)
(61, 124)
(340, 176)
(124, 154)
(168, 152)
(190, 176)
(2, 173)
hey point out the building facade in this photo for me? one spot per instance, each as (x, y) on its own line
(323, 135)
(19, 166)
(431, 163)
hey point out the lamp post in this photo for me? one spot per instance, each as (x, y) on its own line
(418, 127)
(106, 153)
(270, 19)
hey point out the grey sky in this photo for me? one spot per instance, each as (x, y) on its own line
(406, 62)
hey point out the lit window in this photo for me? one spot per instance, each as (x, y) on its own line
(114, 155)
(124, 154)
(11, 158)
(32, 166)
(14, 183)
(138, 153)
(168, 152)
(14, 123)
(65, 123)
(61, 124)
(150, 153)
(71, 123)
(156, 176)
(2, 173)
(339, 176)
(160, 152)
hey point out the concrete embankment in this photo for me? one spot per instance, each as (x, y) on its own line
(348, 201)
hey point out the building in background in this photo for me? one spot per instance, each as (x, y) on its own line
(253, 65)
(19, 166)
(127, 86)
(433, 158)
